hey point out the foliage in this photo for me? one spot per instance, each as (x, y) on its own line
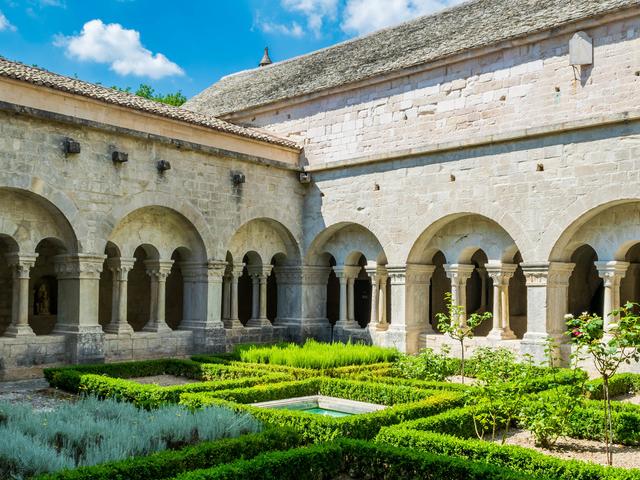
(91, 431)
(608, 350)
(548, 416)
(170, 463)
(353, 459)
(405, 403)
(454, 325)
(501, 390)
(427, 365)
(318, 355)
(146, 91)
(520, 459)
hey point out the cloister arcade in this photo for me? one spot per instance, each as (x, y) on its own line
(156, 275)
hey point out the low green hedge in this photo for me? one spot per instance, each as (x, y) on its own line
(357, 459)
(619, 384)
(409, 382)
(404, 403)
(520, 459)
(152, 396)
(589, 423)
(170, 463)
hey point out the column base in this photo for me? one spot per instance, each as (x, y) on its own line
(210, 340)
(258, 322)
(234, 324)
(157, 328)
(536, 344)
(348, 325)
(119, 329)
(15, 331)
(501, 334)
(86, 345)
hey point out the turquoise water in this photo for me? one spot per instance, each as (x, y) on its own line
(326, 412)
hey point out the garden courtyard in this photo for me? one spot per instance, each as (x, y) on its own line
(334, 411)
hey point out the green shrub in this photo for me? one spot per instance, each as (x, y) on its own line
(89, 432)
(427, 365)
(170, 463)
(318, 355)
(423, 384)
(589, 422)
(620, 384)
(356, 459)
(405, 404)
(520, 459)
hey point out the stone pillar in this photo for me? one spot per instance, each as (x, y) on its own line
(120, 268)
(259, 276)
(342, 278)
(403, 332)
(307, 297)
(418, 283)
(158, 271)
(459, 274)
(226, 297)
(78, 290)
(347, 281)
(612, 273)
(547, 304)
(21, 266)
(236, 273)
(501, 274)
(482, 273)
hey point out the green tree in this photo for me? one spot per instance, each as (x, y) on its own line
(146, 91)
(609, 350)
(452, 324)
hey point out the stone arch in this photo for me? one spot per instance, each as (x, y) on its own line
(611, 230)
(267, 238)
(210, 244)
(29, 218)
(459, 236)
(345, 242)
(158, 228)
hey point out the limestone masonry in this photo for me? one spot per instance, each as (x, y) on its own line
(491, 151)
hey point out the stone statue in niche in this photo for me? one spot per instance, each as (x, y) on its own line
(42, 304)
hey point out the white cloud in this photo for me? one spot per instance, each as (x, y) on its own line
(5, 24)
(364, 16)
(293, 30)
(120, 48)
(316, 12)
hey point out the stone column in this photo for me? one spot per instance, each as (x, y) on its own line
(78, 290)
(418, 282)
(403, 332)
(459, 274)
(236, 273)
(612, 273)
(341, 273)
(21, 266)
(383, 323)
(374, 318)
(482, 273)
(547, 304)
(259, 275)
(226, 296)
(352, 272)
(158, 271)
(501, 274)
(120, 268)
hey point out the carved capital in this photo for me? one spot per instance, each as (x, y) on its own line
(501, 273)
(420, 274)
(21, 264)
(216, 270)
(78, 266)
(397, 274)
(259, 271)
(237, 269)
(553, 274)
(612, 272)
(158, 269)
(459, 273)
(120, 267)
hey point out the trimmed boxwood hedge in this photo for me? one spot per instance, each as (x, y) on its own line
(357, 459)
(404, 403)
(524, 460)
(619, 384)
(170, 463)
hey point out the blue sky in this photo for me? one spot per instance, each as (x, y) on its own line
(184, 45)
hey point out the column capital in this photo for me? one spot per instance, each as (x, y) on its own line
(85, 266)
(160, 269)
(459, 272)
(501, 273)
(612, 271)
(542, 274)
(347, 271)
(216, 267)
(260, 271)
(21, 263)
(120, 267)
(237, 269)
(420, 274)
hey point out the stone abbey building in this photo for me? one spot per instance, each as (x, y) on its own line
(491, 150)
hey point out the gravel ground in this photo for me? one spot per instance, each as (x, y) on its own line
(584, 450)
(163, 380)
(629, 398)
(458, 379)
(35, 393)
